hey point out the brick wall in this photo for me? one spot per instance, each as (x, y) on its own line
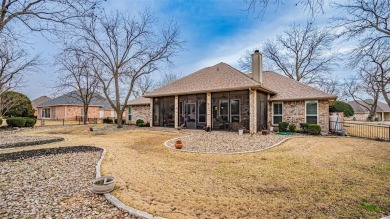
(59, 112)
(140, 112)
(294, 112)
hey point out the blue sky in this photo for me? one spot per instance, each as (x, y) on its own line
(214, 31)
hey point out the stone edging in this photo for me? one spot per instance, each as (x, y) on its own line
(227, 153)
(116, 202)
(31, 143)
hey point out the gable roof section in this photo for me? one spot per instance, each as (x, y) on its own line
(39, 101)
(220, 77)
(381, 107)
(139, 101)
(290, 89)
(71, 99)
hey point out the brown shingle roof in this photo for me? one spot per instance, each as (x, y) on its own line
(220, 77)
(139, 101)
(39, 101)
(223, 77)
(290, 89)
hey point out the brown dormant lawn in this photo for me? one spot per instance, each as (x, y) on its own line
(315, 177)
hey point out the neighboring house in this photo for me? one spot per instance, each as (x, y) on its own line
(223, 98)
(361, 112)
(37, 102)
(138, 108)
(69, 107)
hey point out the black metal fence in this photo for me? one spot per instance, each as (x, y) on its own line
(364, 130)
(62, 122)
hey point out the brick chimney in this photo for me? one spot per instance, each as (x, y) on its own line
(257, 66)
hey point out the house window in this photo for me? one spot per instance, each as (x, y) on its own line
(224, 110)
(312, 112)
(82, 112)
(130, 113)
(201, 111)
(46, 113)
(277, 113)
(235, 110)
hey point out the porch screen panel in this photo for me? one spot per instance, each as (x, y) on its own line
(163, 111)
(262, 111)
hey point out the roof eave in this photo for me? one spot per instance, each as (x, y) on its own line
(305, 98)
(212, 90)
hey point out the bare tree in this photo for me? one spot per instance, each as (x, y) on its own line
(78, 75)
(365, 20)
(144, 84)
(363, 89)
(125, 49)
(167, 78)
(259, 7)
(302, 53)
(40, 15)
(14, 62)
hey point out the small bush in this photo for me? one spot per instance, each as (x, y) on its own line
(140, 124)
(292, 128)
(30, 122)
(304, 127)
(1, 121)
(139, 121)
(314, 129)
(16, 122)
(116, 121)
(108, 121)
(376, 118)
(283, 126)
(340, 106)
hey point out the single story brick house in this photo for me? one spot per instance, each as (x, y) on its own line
(37, 102)
(224, 98)
(69, 107)
(361, 112)
(138, 108)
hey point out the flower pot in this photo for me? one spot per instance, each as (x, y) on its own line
(104, 184)
(264, 132)
(240, 132)
(179, 144)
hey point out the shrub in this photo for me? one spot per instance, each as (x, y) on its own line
(314, 129)
(340, 106)
(107, 120)
(304, 127)
(140, 124)
(283, 126)
(116, 121)
(376, 118)
(139, 121)
(16, 122)
(292, 128)
(30, 122)
(1, 121)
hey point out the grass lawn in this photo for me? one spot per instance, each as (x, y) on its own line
(314, 177)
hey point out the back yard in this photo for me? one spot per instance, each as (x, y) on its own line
(314, 177)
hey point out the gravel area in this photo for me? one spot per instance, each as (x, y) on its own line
(9, 140)
(226, 142)
(53, 186)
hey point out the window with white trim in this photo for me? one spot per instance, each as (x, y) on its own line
(277, 116)
(130, 113)
(311, 112)
(45, 113)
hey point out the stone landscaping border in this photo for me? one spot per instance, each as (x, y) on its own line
(46, 151)
(31, 143)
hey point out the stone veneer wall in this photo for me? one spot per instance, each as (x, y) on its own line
(140, 112)
(294, 112)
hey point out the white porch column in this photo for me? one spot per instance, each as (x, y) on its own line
(208, 109)
(151, 112)
(176, 117)
(383, 116)
(253, 111)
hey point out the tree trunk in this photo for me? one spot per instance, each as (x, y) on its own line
(119, 119)
(85, 115)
